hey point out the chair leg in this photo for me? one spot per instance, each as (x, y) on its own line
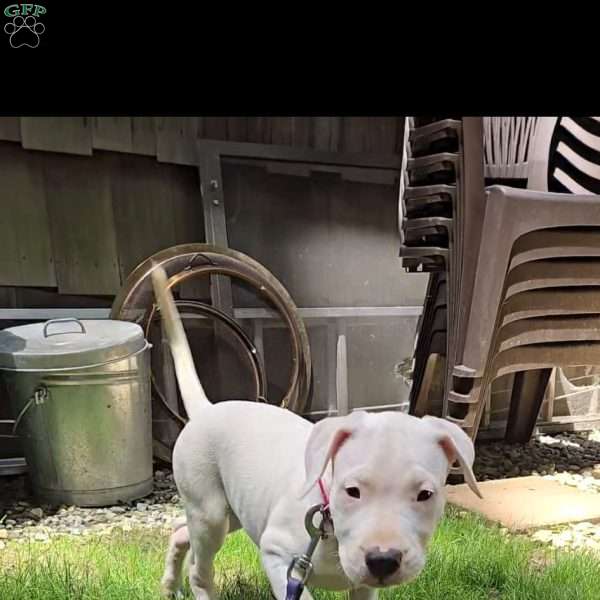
(527, 397)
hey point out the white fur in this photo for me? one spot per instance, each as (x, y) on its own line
(252, 465)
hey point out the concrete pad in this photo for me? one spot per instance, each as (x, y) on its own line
(528, 502)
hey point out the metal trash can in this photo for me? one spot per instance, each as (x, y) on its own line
(80, 393)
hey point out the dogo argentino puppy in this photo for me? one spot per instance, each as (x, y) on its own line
(261, 468)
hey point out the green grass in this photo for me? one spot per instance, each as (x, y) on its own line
(468, 560)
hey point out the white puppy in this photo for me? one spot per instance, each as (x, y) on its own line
(256, 466)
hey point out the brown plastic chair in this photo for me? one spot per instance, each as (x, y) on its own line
(550, 302)
(532, 251)
(535, 357)
(433, 172)
(427, 231)
(424, 264)
(468, 231)
(550, 273)
(509, 214)
(549, 330)
(467, 234)
(506, 265)
(424, 254)
(444, 185)
(426, 201)
(436, 137)
(429, 206)
(433, 169)
(437, 324)
(525, 326)
(561, 305)
(422, 121)
(435, 299)
(430, 397)
(524, 319)
(556, 242)
(431, 323)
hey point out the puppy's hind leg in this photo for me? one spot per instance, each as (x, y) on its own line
(179, 545)
(208, 525)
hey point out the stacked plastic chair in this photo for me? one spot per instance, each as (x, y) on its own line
(437, 180)
(522, 266)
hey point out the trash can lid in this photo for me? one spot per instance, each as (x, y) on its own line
(68, 343)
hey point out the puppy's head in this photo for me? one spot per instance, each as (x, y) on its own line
(387, 491)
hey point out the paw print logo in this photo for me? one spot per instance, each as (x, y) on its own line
(24, 31)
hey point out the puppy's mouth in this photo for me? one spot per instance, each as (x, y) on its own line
(400, 577)
(384, 582)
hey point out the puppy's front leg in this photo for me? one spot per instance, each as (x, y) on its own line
(364, 594)
(276, 567)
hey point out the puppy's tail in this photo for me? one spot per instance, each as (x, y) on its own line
(192, 392)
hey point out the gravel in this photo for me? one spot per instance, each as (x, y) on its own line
(569, 458)
(578, 536)
(561, 456)
(23, 521)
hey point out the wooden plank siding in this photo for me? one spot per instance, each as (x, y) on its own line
(81, 224)
(112, 133)
(26, 257)
(171, 139)
(10, 129)
(85, 199)
(72, 135)
(82, 227)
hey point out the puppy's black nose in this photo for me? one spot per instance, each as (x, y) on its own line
(383, 564)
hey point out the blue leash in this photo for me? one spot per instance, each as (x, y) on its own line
(294, 589)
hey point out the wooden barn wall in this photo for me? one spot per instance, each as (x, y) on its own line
(83, 198)
(155, 135)
(80, 224)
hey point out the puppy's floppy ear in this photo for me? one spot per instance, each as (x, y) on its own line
(325, 440)
(457, 445)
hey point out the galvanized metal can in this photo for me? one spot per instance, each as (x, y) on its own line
(80, 393)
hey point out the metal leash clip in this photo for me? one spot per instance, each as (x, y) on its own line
(310, 526)
(302, 563)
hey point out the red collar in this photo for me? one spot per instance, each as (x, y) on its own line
(324, 495)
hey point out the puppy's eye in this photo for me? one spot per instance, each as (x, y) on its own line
(424, 495)
(353, 492)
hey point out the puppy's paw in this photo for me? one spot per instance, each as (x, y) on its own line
(169, 589)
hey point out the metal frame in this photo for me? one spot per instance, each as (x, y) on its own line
(341, 312)
(209, 158)
(298, 155)
(215, 225)
(210, 154)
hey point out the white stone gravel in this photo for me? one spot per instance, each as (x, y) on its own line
(570, 458)
(24, 521)
(578, 536)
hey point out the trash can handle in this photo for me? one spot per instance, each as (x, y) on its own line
(64, 320)
(39, 397)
